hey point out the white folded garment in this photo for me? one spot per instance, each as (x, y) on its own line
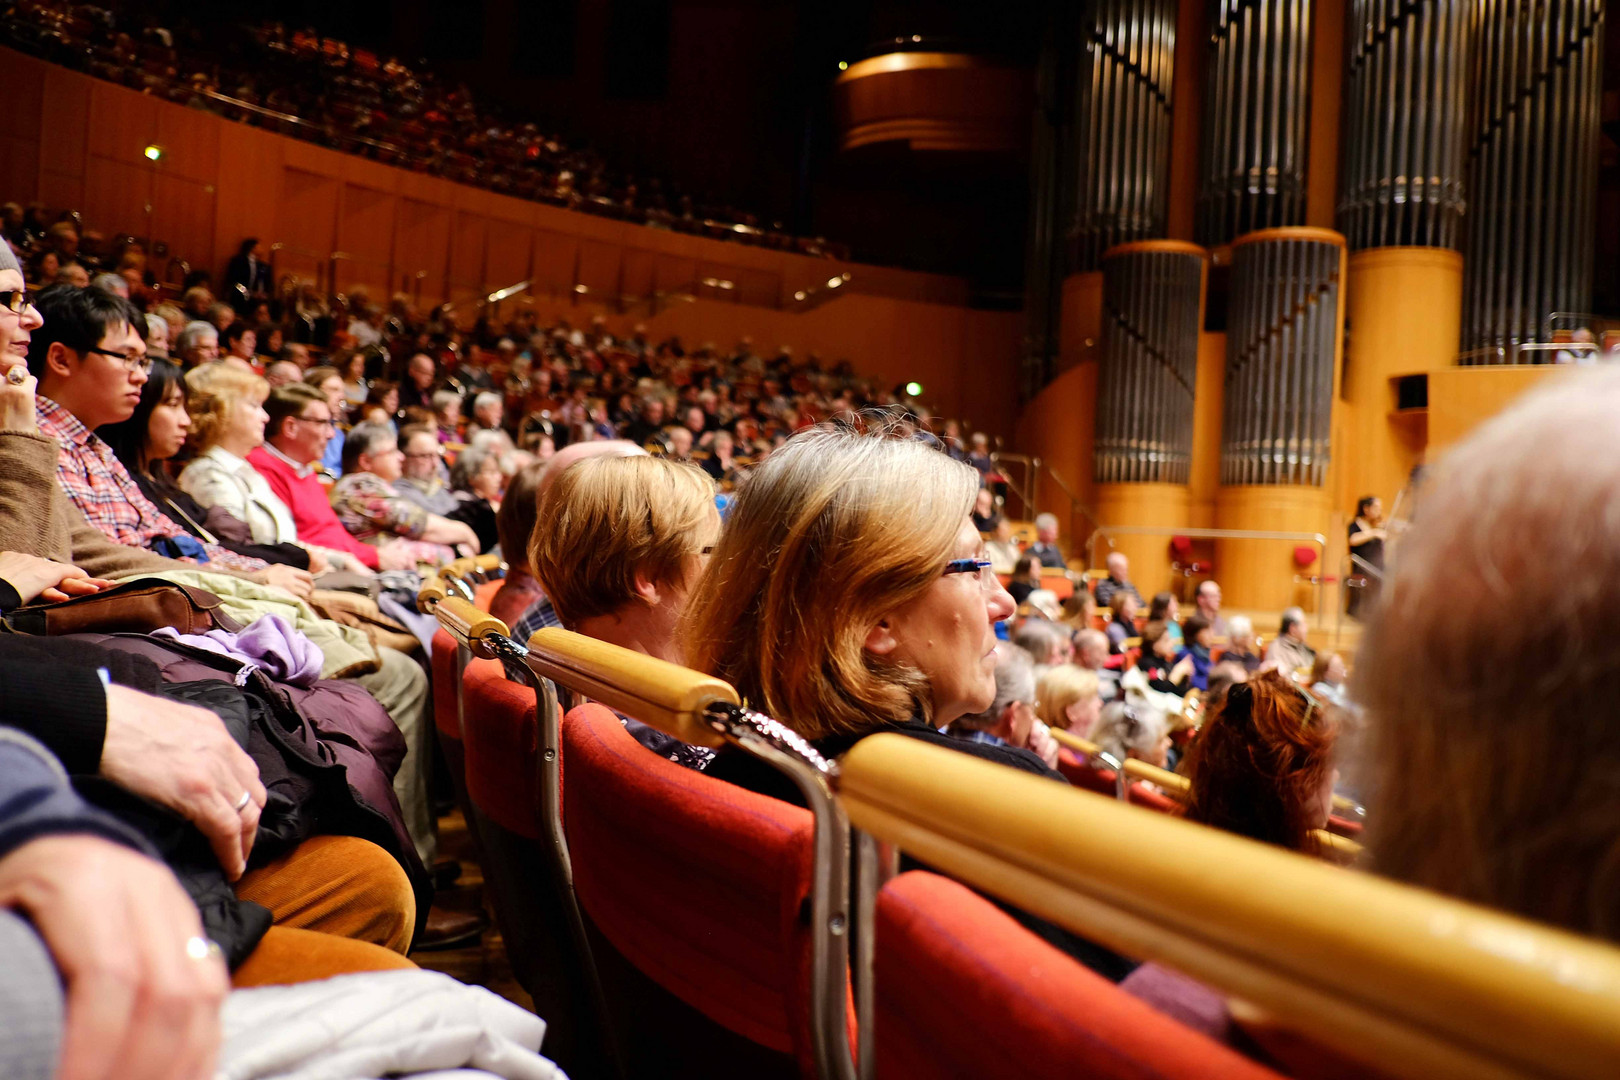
(380, 1024)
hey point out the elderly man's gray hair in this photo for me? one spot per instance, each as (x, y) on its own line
(193, 334)
(1046, 521)
(1015, 684)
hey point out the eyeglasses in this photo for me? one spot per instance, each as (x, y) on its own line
(327, 423)
(981, 567)
(132, 361)
(16, 301)
(426, 454)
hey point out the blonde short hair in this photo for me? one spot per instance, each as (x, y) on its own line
(832, 532)
(1059, 687)
(212, 391)
(606, 520)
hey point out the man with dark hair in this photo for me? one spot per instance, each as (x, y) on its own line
(90, 360)
(1288, 651)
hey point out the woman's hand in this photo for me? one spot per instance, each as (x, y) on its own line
(36, 578)
(318, 563)
(17, 399)
(288, 578)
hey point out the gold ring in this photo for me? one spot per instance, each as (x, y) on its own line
(17, 375)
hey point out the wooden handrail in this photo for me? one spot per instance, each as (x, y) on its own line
(1422, 985)
(669, 697)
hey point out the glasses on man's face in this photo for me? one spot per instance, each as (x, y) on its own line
(981, 567)
(328, 423)
(420, 454)
(16, 301)
(132, 361)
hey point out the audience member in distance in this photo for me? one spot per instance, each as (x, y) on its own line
(1011, 719)
(1118, 581)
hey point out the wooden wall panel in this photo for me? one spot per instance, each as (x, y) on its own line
(366, 234)
(64, 126)
(307, 213)
(421, 246)
(190, 141)
(598, 268)
(117, 191)
(675, 273)
(508, 253)
(182, 212)
(19, 168)
(122, 122)
(554, 257)
(639, 273)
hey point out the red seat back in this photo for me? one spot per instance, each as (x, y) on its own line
(445, 714)
(962, 990)
(484, 592)
(501, 746)
(698, 883)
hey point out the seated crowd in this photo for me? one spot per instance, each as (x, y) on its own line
(302, 85)
(596, 468)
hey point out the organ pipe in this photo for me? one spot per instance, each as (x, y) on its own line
(1256, 112)
(1534, 149)
(1282, 344)
(1405, 115)
(1152, 294)
(1122, 113)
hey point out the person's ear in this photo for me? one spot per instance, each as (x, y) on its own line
(58, 360)
(647, 590)
(880, 639)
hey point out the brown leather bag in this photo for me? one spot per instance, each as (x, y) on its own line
(138, 606)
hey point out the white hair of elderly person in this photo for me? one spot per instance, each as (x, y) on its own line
(1010, 720)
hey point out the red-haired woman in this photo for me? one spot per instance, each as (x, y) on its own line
(1262, 765)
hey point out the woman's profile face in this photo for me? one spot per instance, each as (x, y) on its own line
(948, 634)
(244, 423)
(15, 330)
(1375, 510)
(166, 428)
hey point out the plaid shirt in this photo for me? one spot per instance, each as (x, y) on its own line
(106, 494)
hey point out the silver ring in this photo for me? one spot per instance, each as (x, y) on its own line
(200, 949)
(243, 801)
(17, 375)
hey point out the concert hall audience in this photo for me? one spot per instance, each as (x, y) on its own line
(1208, 600)
(1091, 649)
(1288, 650)
(1198, 638)
(1122, 627)
(1011, 717)
(374, 513)
(1327, 678)
(1240, 644)
(626, 538)
(1045, 548)
(1066, 696)
(1026, 577)
(1165, 673)
(1118, 581)
(1133, 729)
(514, 524)
(1262, 765)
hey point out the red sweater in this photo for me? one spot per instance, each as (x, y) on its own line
(312, 511)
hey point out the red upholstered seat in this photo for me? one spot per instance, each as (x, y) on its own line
(485, 592)
(500, 742)
(963, 991)
(699, 884)
(445, 715)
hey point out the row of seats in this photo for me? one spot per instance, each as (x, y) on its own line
(716, 925)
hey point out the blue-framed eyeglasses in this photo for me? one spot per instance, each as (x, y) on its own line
(981, 567)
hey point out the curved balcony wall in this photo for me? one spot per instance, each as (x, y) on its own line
(1282, 352)
(1152, 308)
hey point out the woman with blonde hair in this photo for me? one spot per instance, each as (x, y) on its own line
(226, 406)
(620, 543)
(1067, 697)
(848, 595)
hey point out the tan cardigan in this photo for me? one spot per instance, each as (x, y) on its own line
(37, 518)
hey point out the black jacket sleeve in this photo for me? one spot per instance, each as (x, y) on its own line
(37, 800)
